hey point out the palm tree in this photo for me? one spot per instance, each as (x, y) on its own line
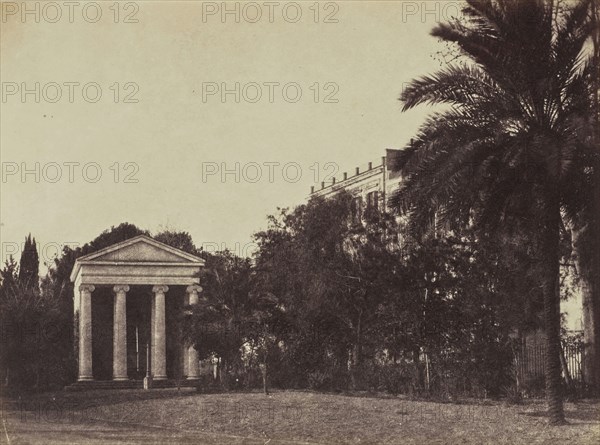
(510, 144)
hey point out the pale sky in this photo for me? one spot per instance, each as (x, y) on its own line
(166, 60)
(172, 132)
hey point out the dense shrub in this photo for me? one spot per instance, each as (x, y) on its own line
(533, 386)
(328, 380)
(397, 378)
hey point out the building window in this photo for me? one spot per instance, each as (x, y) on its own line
(356, 209)
(373, 201)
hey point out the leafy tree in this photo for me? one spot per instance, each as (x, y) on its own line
(8, 283)
(459, 304)
(33, 329)
(179, 240)
(266, 326)
(330, 275)
(510, 142)
(9, 274)
(216, 326)
(277, 275)
(29, 264)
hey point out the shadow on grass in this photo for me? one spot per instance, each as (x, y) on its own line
(408, 398)
(80, 400)
(96, 398)
(583, 411)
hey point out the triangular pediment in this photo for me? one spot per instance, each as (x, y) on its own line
(141, 249)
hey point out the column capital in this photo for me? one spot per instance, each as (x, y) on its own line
(193, 288)
(87, 288)
(160, 289)
(121, 288)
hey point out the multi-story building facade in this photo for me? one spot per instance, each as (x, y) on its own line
(370, 184)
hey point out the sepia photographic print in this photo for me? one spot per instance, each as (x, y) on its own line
(300, 222)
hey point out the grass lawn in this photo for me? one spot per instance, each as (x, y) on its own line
(171, 416)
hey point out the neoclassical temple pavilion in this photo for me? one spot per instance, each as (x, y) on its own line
(127, 299)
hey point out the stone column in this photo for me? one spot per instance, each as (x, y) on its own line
(85, 332)
(160, 342)
(120, 333)
(184, 355)
(192, 354)
(152, 345)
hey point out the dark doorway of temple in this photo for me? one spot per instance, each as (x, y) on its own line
(174, 306)
(102, 333)
(139, 306)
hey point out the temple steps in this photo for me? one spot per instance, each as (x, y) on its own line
(128, 384)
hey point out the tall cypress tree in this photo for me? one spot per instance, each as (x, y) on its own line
(29, 264)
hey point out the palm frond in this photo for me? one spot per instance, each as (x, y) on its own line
(457, 84)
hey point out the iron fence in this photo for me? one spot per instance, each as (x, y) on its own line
(530, 360)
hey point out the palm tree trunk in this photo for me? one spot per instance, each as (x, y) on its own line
(551, 290)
